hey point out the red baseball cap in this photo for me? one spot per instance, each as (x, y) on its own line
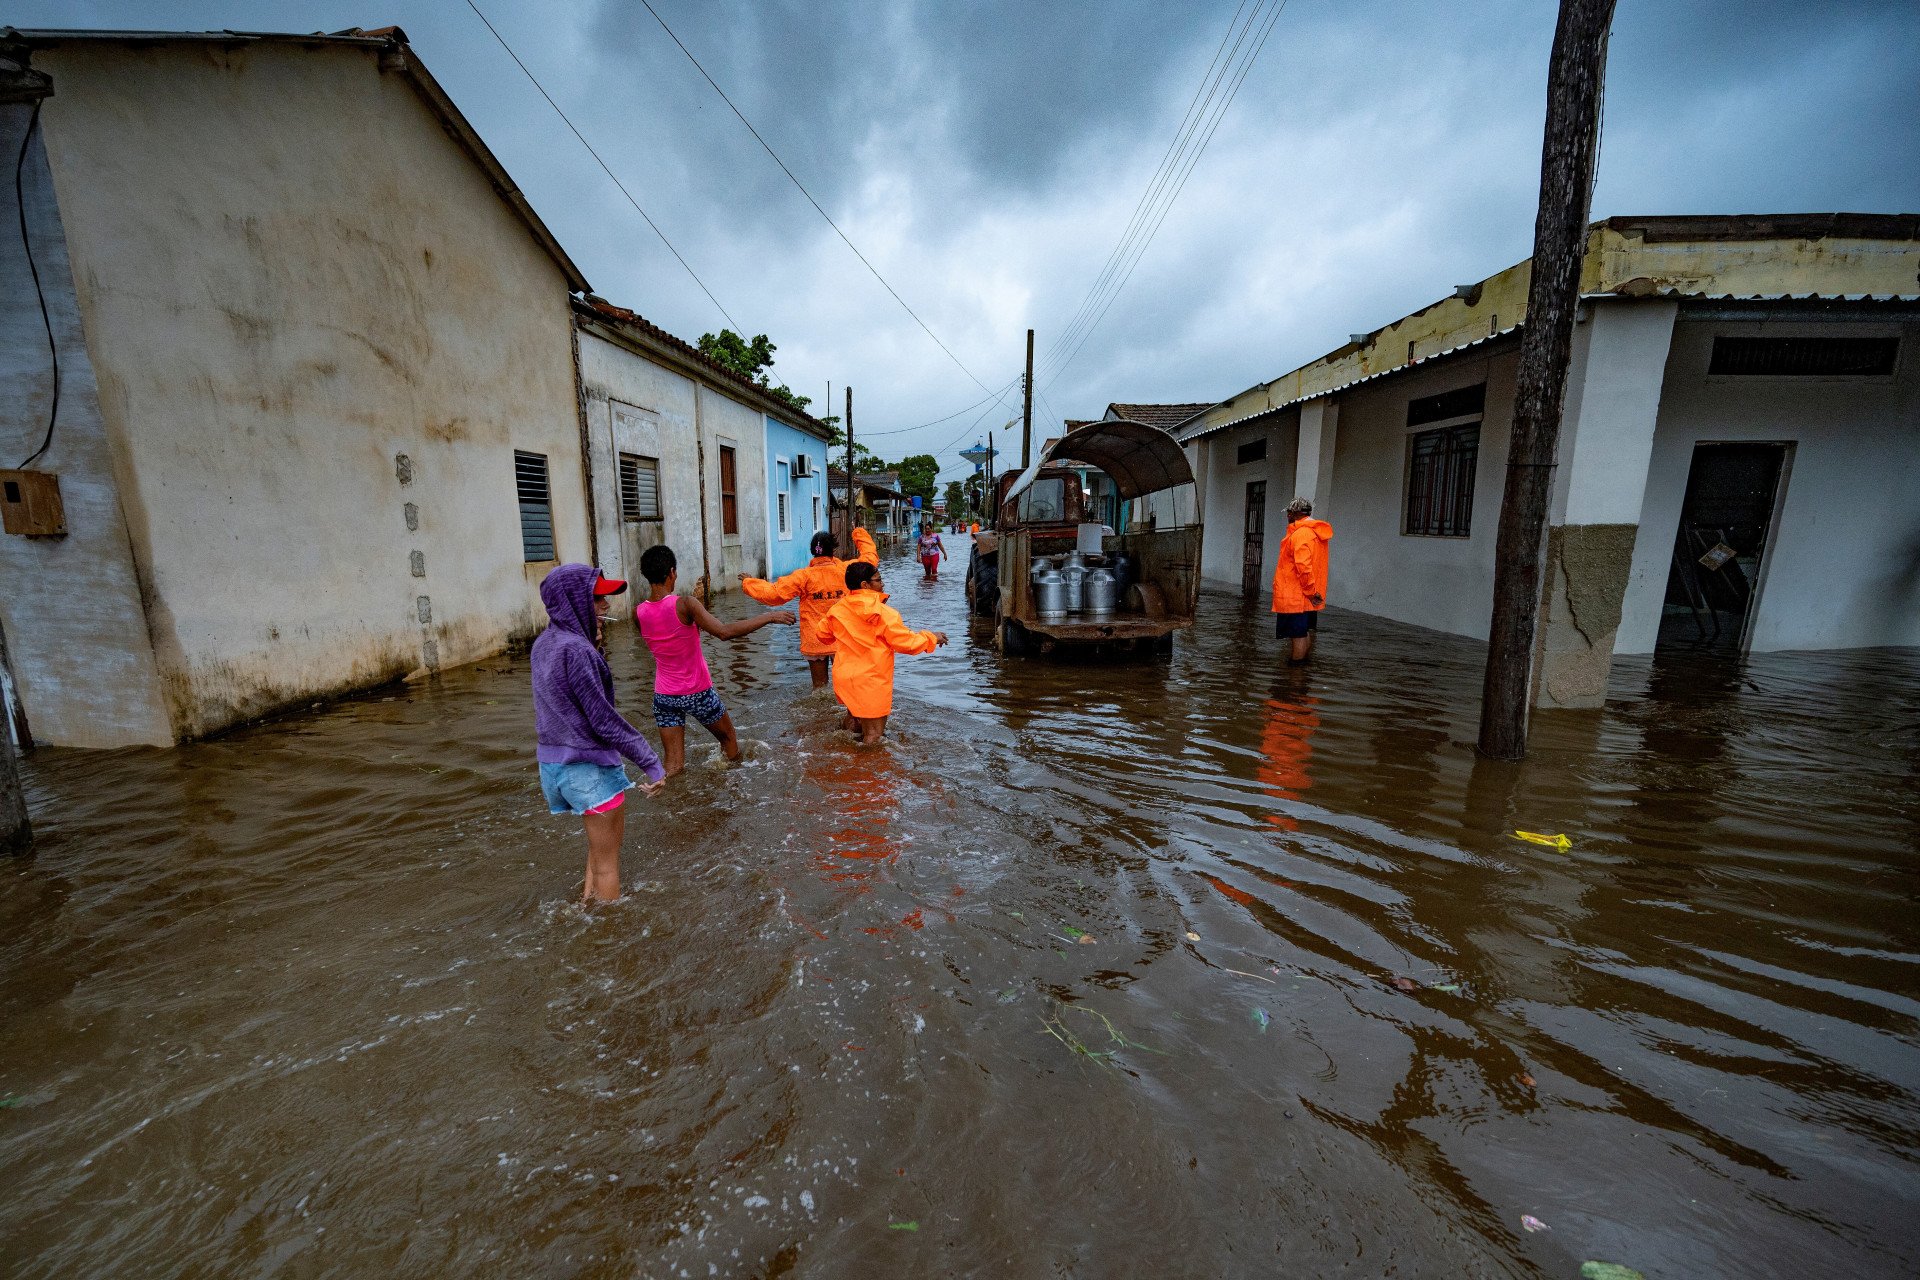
(609, 586)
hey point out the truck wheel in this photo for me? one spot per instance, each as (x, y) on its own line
(1014, 638)
(1163, 647)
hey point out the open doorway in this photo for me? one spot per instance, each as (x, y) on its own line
(1720, 549)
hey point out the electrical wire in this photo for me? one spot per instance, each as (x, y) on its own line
(1179, 186)
(1195, 108)
(26, 243)
(737, 326)
(810, 200)
(991, 395)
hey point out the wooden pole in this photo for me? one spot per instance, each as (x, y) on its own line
(1026, 410)
(1567, 155)
(850, 511)
(992, 512)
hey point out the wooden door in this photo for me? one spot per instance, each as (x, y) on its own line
(1253, 549)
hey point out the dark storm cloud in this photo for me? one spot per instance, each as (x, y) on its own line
(986, 156)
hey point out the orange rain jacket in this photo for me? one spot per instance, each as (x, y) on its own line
(869, 632)
(818, 587)
(1302, 571)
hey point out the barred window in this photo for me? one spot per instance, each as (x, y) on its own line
(1440, 481)
(639, 487)
(536, 506)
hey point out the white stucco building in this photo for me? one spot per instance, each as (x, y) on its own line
(1739, 464)
(677, 451)
(318, 424)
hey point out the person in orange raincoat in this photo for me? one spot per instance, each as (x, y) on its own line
(867, 632)
(1300, 580)
(818, 587)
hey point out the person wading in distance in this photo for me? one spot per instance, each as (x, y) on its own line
(868, 632)
(1300, 580)
(818, 587)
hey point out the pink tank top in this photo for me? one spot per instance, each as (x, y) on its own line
(682, 667)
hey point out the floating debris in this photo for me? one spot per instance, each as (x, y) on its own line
(1261, 1019)
(1526, 1080)
(1057, 1027)
(903, 1226)
(1405, 984)
(1608, 1271)
(1192, 936)
(1532, 1223)
(1448, 987)
(1552, 842)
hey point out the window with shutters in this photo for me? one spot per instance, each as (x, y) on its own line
(639, 487)
(536, 506)
(729, 496)
(782, 499)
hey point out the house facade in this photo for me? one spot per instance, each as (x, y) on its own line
(796, 490)
(682, 451)
(1739, 464)
(317, 419)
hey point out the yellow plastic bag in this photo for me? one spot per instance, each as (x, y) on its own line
(1552, 842)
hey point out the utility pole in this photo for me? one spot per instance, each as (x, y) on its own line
(1575, 78)
(850, 513)
(16, 833)
(1026, 410)
(993, 508)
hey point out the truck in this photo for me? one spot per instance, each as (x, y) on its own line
(1045, 511)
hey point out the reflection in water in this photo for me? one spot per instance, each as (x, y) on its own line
(311, 998)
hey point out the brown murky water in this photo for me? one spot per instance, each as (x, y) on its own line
(1187, 968)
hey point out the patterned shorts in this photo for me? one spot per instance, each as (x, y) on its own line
(670, 710)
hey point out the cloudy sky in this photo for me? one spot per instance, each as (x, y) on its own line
(986, 156)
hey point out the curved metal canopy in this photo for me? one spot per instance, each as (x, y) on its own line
(1140, 459)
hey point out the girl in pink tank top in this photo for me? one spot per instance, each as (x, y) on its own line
(682, 685)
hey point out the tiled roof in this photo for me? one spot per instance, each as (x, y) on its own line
(1164, 416)
(597, 307)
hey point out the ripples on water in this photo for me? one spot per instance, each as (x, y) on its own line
(1195, 968)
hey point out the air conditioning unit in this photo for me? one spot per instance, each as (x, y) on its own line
(802, 465)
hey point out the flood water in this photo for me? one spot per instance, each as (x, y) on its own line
(1194, 967)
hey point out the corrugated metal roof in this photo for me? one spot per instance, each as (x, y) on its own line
(1283, 406)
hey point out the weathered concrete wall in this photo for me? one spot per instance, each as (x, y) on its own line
(1225, 503)
(70, 607)
(784, 443)
(1614, 381)
(728, 422)
(290, 274)
(1443, 583)
(636, 406)
(1844, 570)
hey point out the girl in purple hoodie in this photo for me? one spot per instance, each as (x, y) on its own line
(581, 735)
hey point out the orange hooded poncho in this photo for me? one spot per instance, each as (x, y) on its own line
(818, 587)
(868, 632)
(1302, 571)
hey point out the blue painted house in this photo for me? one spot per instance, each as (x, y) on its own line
(796, 494)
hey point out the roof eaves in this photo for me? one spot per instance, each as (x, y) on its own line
(1273, 411)
(632, 324)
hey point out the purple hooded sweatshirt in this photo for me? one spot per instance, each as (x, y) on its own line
(573, 713)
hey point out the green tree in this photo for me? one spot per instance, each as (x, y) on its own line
(918, 474)
(750, 360)
(956, 499)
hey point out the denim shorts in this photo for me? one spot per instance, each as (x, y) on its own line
(576, 787)
(670, 710)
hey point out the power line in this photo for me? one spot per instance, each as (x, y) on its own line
(1065, 335)
(737, 326)
(810, 200)
(991, 395)
(1183, 164)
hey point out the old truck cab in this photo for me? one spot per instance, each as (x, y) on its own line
(1051, 575)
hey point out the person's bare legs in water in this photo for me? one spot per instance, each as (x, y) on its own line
(819, 669)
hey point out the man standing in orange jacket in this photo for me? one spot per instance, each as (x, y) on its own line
(1300, 580)
(818, 587)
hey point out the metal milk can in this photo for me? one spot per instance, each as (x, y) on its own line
(1103, 589)
(1075, 578)
(1050, 597)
